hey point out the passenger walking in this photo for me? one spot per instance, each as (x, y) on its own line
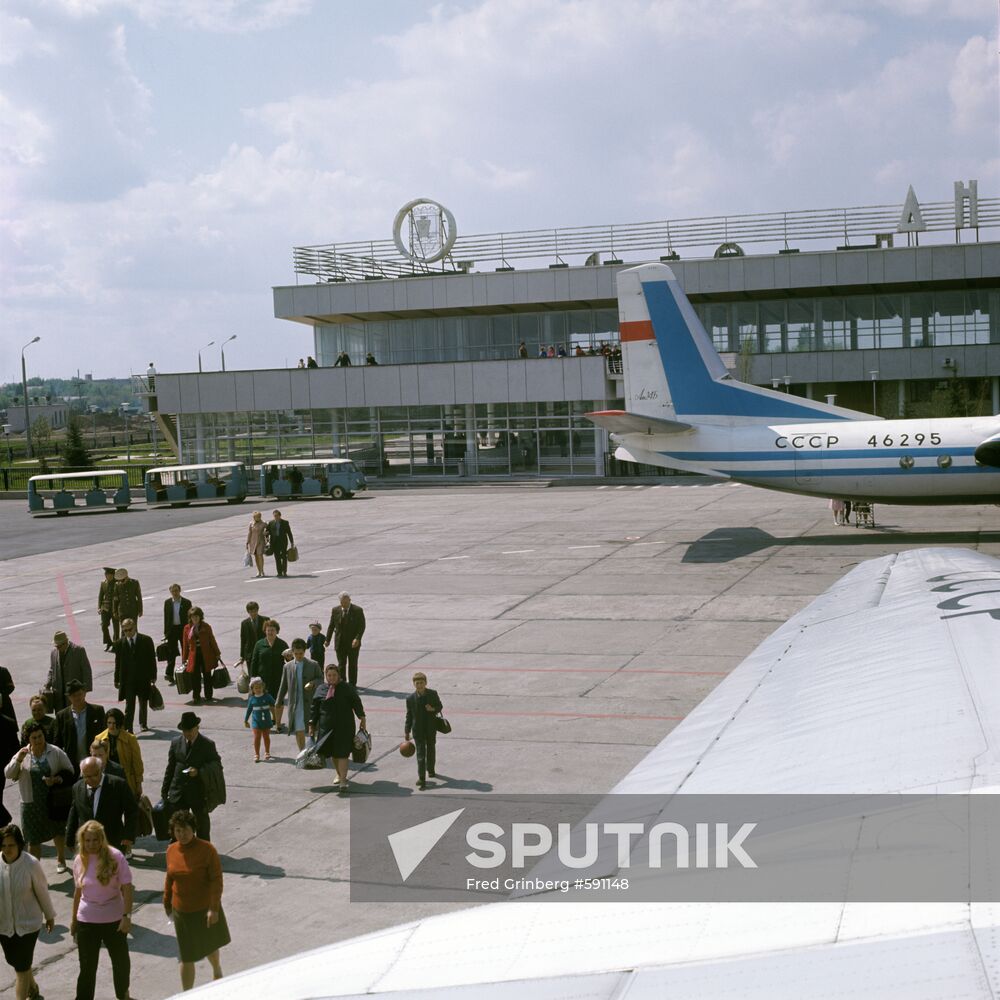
(107, 799)
(67, 662)
(256, 540)
(6, 690)
(38, 714)
(135, 670)
(192, 897)
(175, 616)
(104, 601)
(77, 725)
(25, 906)
(259, 718)
(10, 743)
(279, 537)
(251, 631)
(126, 601)
(346, 628)
(421, 708)
(102, 910)
(38, 768)
(102, 752)
(837, 506)
(268, 661)
(334, 707)
(193, 774)
(316, 645)
(123, 749)
(299, 679)
(200, 654)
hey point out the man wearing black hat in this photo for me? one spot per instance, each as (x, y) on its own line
(105, 598)
(193, 779)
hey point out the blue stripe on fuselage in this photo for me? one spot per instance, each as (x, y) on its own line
(692, 388)
(924, 470)
(816, 455)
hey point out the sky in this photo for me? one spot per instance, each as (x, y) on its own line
(159, 159)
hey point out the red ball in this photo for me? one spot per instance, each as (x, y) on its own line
(407, 748)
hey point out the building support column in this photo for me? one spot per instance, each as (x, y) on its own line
(600, 437)
(901, 398)
(199, 439)
(996, 394)
(471, 446)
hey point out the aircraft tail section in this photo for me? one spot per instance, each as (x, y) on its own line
(673, 372)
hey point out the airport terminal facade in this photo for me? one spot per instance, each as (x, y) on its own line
(904, 330)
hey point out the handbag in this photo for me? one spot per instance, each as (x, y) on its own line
(155, 698)
(293, 553)
(161, 820)
(441, 724)
(182, 681)
(145, 816)
(309, 759)
(163, 652)
(248, 559)
(220, 676)
(267, 550)
(243, 681)
(362, 746)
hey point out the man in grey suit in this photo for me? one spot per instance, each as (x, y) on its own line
(67, 662)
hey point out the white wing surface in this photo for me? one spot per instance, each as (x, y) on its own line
(887, 683)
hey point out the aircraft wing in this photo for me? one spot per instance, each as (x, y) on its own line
(623, 422)
(886, 683)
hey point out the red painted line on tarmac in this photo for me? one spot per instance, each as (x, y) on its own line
(571, 670)
(73, 628)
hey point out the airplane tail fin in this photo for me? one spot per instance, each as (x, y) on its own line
(673, 372)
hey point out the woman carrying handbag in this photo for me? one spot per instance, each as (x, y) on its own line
(200, 653)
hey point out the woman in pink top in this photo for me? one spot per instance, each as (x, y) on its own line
(102, 910)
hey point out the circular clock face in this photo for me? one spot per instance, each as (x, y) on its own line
(424, 230)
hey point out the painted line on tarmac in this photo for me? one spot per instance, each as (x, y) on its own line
(335, 569)
(449, 558)
(378, 565)
(583, 546)
(650, 543)
(7, 628)
(194, 590)
(548, 715)
(515, 552)
(76, 611)
(74, 630)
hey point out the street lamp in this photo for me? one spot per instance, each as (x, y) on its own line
(233, 337)
(209, 344)
(874, 375)
(24, 386)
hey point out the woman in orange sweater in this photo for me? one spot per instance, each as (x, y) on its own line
(192, 897)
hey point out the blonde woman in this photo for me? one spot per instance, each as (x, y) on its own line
(102, 910)
(256, 539)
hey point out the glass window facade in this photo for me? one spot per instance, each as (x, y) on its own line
(503, 439)
(856, 322)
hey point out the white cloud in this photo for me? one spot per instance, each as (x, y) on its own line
(20, 38)
(23, 135)
(207, 15)
(974, 87)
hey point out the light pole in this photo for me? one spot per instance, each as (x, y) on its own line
(233, 337)
(209, 344)
(24, 386)
(874, 375)
(152, 424)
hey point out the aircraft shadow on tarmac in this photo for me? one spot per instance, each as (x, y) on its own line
(725, 544)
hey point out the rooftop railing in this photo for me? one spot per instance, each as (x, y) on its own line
(721, 235)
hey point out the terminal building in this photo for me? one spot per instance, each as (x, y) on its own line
(420, 341)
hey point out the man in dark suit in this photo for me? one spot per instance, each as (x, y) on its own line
(175, 617)
(135, 670)
(67, 662)
(347, 626)
(107, 799)
(251, 631)
(78, 724)
(183, 785)
(279, 537)
(421, 708)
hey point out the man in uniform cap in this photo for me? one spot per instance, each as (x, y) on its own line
(105, 597)
(67, 662)
(127, 599)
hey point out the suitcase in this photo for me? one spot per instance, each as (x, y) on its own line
(182, 681)
(163, 652)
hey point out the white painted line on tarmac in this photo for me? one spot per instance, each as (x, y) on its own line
(75, 611)
(448, 558)
(651, 543)
(403, 563)
(602, 487)
(659, 487)
(335, 569)
(194, 590)
(515, 552)
(7, 628)
(642, 487)
(583, 546)
(621, 487)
